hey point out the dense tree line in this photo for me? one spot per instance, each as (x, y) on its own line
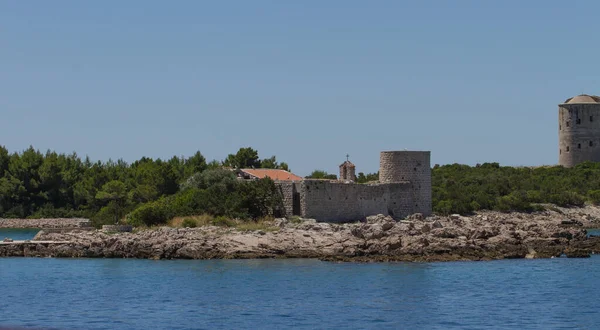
(35, 184)
(463, 189)
(147, 191)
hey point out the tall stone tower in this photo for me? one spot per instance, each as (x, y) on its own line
(411, 166)
(579, 130)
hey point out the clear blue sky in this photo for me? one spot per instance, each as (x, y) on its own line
(307, 81)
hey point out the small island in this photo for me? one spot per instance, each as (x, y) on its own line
(247, 207)
(486, 235)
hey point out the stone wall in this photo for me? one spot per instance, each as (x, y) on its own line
(333, 201)
(287, 190)
(412, 166)
(578, 133)
(404, 189)
(45, 223)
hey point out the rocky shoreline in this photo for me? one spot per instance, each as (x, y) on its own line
(45, 223)
(483, 236)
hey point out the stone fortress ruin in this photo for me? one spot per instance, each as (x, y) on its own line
(404, 188)
(579, 130)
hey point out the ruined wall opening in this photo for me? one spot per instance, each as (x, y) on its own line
(578, 121)
(578, 145)
(296, 203)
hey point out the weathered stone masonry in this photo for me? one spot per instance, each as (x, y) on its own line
(579, 130)
(404, 189)
(338, 202)
(291, 198)
(411, 166)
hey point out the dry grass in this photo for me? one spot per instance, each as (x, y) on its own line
(264, 224)
(191, 221)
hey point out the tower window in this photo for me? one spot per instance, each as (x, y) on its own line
(591, 118)
(560, 151)
(567, 124)
(559, 127)
(591, 143)
(567, 148)
(578, 121)
(578, 145)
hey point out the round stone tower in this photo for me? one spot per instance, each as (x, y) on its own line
(409, 166)
(579, 130)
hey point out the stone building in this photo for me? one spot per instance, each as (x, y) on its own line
(347, 171)
(409, 166)
(404, 189)
(579, 130)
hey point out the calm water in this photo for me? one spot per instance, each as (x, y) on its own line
(275, 294)
(595, 232)
(17, 234)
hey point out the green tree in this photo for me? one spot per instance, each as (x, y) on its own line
(214, 165)
(115, 194)
(4, 159)
(194, 164)
(244, 158)
(269, 163)
(260, 198)
(284, 166)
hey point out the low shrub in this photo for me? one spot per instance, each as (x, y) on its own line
(150, 214)
(189, 222)
(295, 219)
(594, 196)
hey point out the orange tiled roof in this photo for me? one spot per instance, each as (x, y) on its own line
(276, 175)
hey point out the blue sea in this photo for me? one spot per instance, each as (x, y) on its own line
(18, 234)
(305, 294)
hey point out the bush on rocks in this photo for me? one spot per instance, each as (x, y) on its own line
(189, 222)
(217, 194)
(149, 214)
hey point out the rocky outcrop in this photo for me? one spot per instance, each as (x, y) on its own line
(484, 236)
(45, 223)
